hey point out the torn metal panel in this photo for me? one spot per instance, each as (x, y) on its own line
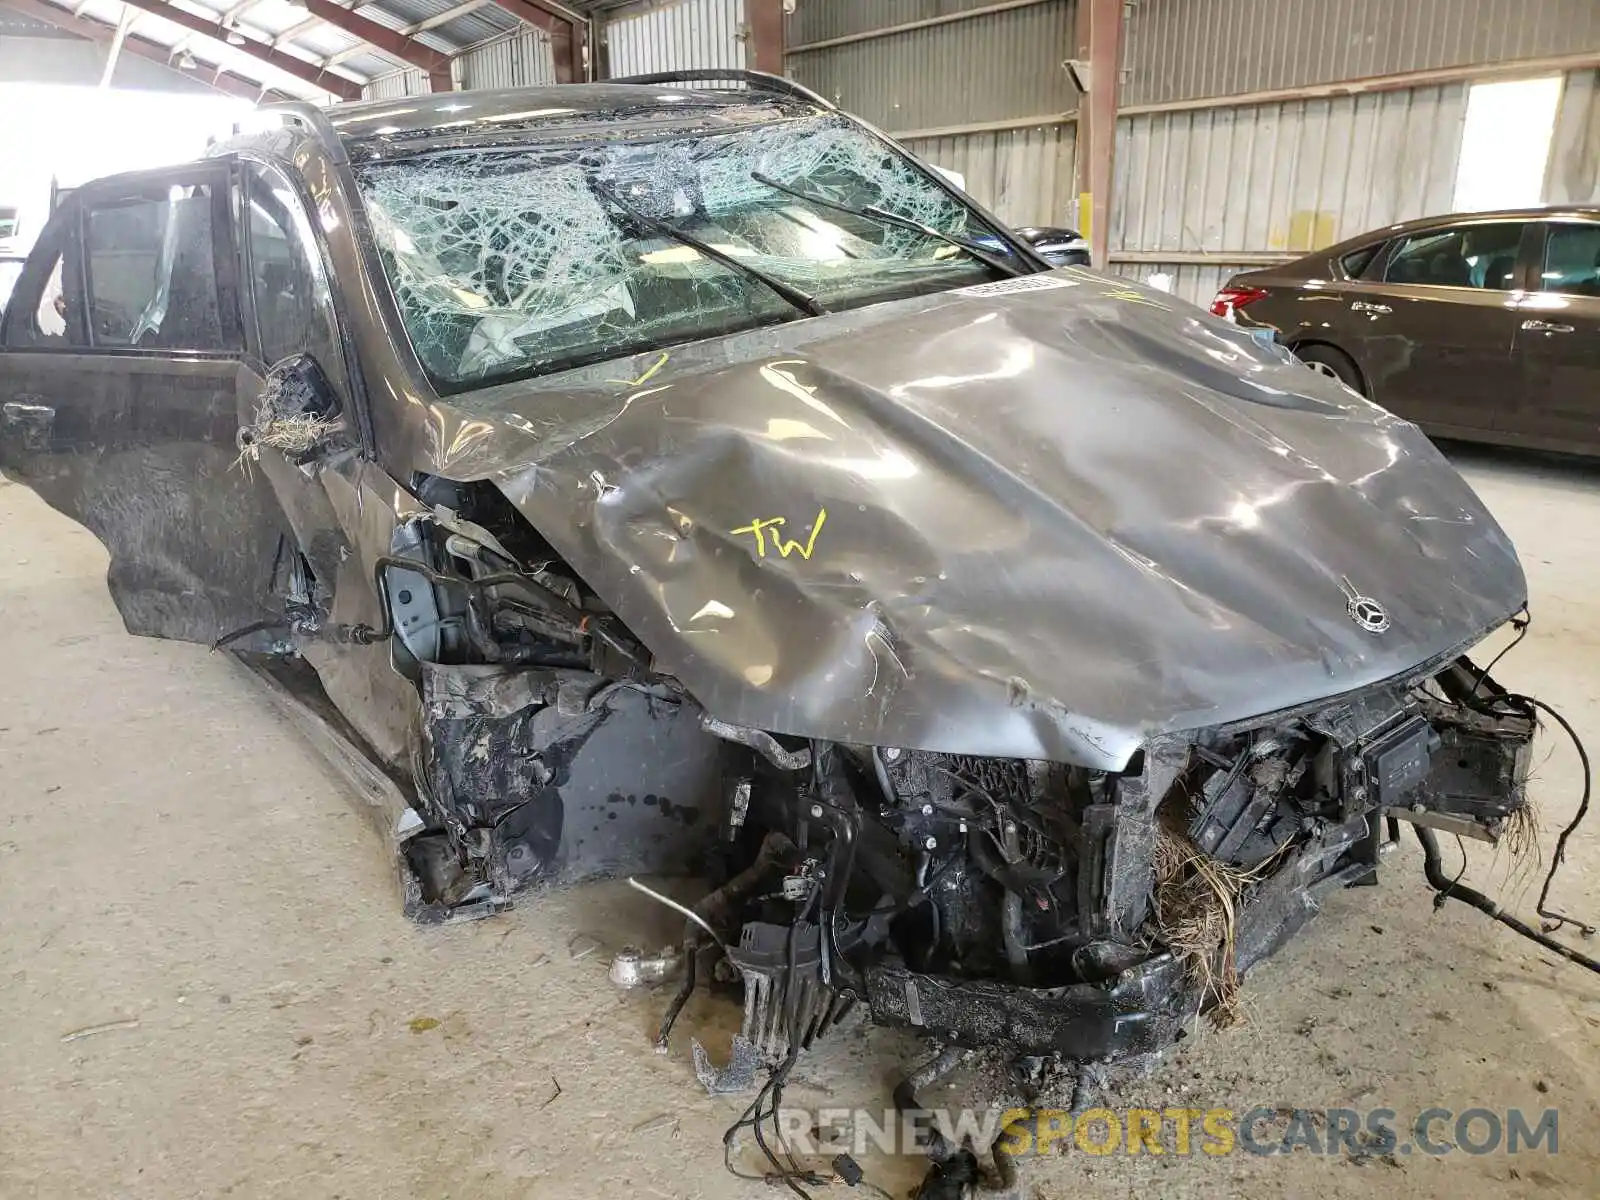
(343, 511)
(145, 461)
(1119, 840)
(1139, 1013)
(552, 776)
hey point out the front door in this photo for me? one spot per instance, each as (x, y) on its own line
(1558, 343)
(122, 379)
(1435, 333)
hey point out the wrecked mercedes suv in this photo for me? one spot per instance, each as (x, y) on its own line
(661, 479)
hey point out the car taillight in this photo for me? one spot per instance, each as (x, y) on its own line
(1230, 299)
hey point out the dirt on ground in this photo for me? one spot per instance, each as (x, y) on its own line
(206, 988)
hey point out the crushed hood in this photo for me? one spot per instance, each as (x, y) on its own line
(1020, 520)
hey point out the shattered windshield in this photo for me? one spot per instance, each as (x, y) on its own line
(511, 262)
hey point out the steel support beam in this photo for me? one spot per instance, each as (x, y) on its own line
(1103, 41)
(599, 47)
(568, 35)
(337, 85)
(410, 31)
(124, 24)
(1040, 121)
(390, 41)
(766, 35)
(1432, 77)
(871, 35)
(94, 31)
(1208, 258)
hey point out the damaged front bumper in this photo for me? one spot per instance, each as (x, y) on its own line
(1059, 920)
(982, 901)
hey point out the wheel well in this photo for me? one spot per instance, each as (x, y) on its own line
(1301, 343)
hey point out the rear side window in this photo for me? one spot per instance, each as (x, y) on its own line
(152, 281)
(1355, 263)
(1572, 260)
(1466, 256)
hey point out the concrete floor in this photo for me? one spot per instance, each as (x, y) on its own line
(174, 860)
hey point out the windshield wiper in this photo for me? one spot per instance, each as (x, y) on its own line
(874, 213)
(806, 304)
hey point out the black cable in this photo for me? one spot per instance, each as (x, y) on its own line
(1560, 855)
(753, 1117)
(1520, 621)
(791, 1000)
(246, 630)
(1526, 706)
(780, 1171)
(555, 604)
(794, 1171)
(1462, 847)
(727, 1165)
(918, 896)
(1441, 883)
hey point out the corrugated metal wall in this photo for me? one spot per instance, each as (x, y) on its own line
(392, 87)
(1185, 49)
(525, 59)
(1195, 282)
(691, 33)
(521, 59)
(1001, 67)
(1023, 176)
(994, 67)
(1283, 177)
(1573, 176)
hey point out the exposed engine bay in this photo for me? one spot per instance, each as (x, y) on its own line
(1035, 904)
(1052, 908)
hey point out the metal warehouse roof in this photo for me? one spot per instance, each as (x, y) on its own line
(303, 49)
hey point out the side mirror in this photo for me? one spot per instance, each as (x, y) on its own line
(1057, 246)
(297, 414)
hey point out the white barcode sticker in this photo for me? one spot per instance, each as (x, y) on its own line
(1022, 283)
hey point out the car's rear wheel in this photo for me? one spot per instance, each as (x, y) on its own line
(1336, 364)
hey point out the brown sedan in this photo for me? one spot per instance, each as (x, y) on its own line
(1481, 326)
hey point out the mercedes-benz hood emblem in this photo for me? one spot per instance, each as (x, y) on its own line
(1364, 610)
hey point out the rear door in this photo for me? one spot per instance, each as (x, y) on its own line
(1438, 328)
(1558, 341)
(122, 379)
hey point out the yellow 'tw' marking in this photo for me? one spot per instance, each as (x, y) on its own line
(646, 377)
(759, 529)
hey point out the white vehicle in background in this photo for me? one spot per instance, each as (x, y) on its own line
(10, 270)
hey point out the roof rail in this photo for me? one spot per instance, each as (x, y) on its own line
(313, 119)
(756, 81)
